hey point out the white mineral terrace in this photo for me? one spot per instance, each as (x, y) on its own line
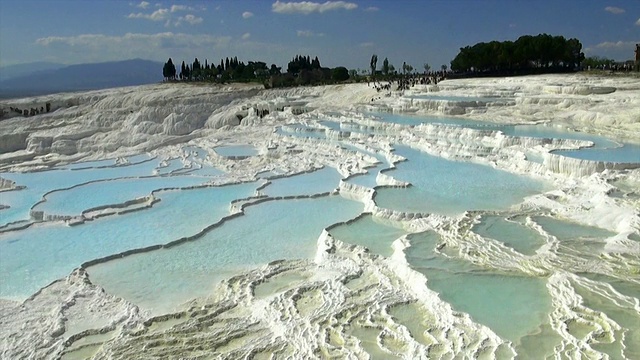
(467, 219)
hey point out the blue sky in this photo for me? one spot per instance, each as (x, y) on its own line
(338, 32)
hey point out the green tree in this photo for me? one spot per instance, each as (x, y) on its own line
(187, 74)
(274, 70)
(249, 72)
(195, 69)
(238, 70)
(340, 73)
(169, 70)
(595, 62)
(574, 52)
(540, 53)
(427, 67)
(385, 67)
(406, 68)
(315, 64)
(373, 64)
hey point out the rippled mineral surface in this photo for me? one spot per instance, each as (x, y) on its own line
(479, 218)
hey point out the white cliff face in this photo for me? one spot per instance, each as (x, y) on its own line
(143, 118)
(342, 302)
(126, 120)
(43, 325)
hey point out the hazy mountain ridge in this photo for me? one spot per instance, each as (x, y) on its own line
(82, 77)
(19, 70)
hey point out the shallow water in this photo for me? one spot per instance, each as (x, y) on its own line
(32, 258)
(173, 165)
(369, 232)
(628, 317)
(300, 130)
(604, 149)
(451, 187)
(369, 179)
(493, 299)
(316, 182)
(274, 230)
(514, 305)
(510, 232)
(404, 119)
(567, 230)
(456, 99)
(236, 150)
(626, 153)
(554, 132)
(74, 201)
(39, 183)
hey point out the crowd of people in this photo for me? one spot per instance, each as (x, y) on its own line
(405, 82)
(26, 112)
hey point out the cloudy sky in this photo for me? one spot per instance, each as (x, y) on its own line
(338, 32)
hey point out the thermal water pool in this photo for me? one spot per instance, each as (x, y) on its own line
(236, 151)
(511, 232)
(39, 183)
(32, 258)
(623, 153)
(162, 279)
(451, 187)
(604, 149)
(369, 232)
(120, 162)
(77, 199)
(457, 99)
(369, 178)
(273, 230)
(316, 182)
(172, 166)
(494, 299)
(404, 119)
(623, 310)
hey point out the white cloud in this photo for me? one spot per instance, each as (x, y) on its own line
(143, 5)
(638, 22)
(165, 40)
(158, 15)
(167, 16)
(191, 19)
(308, 33)
(176, 8)
(247, 14)
(617, 45)
(160, 46)
(246, 36)
(308, 7)
(614, 10)
(367, 44)
(371, 9)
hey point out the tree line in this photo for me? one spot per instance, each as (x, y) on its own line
(301, 70)
(529, 54)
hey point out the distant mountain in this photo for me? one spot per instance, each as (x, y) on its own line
(83, 77)
(14, 71)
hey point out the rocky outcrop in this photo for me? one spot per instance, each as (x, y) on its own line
(13, 142)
